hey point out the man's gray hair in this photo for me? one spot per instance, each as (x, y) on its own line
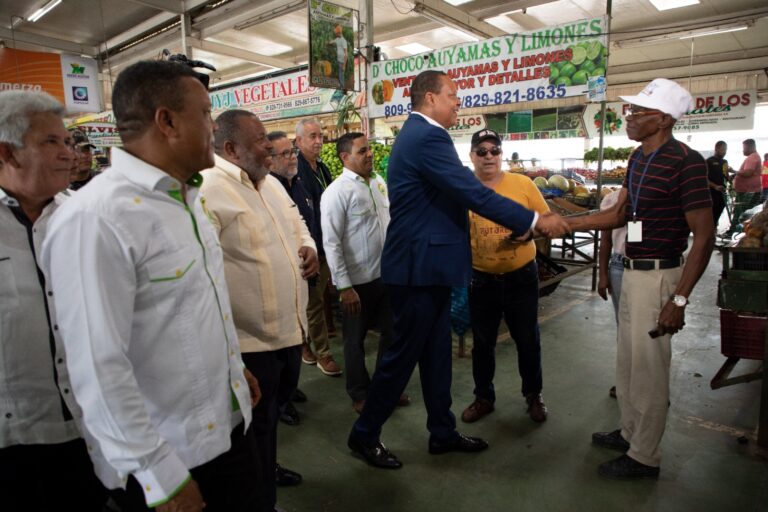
(16, 109)
(304, 122)
(276, 135)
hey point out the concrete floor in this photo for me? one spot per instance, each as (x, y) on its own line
(553, 466)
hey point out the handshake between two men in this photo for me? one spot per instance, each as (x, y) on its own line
(551, 225)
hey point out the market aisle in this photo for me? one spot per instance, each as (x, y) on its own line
(551, 467)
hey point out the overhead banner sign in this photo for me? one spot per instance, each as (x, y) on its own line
(713, 112)
(462, 131)
(281, 97)
(331, 45)
(71, 79)
(548, 63)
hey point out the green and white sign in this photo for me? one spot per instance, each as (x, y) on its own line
(542, 64)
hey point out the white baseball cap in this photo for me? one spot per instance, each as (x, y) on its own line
(664, 95)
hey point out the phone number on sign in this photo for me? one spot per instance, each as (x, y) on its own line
(499, 98)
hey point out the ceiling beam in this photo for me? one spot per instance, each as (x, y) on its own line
(172, 6)
(45, 42)
(712, 58)
(238, 53)
(450, 16)
(239, 12)
(507, 7)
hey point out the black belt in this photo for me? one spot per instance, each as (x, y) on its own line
(652, 264)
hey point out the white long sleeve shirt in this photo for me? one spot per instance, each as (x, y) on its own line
(261, 233)
(144, 313)
(37, 405)
(354, 214)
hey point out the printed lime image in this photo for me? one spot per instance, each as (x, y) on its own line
(588, 59)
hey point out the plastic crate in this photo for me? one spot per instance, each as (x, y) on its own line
(749, 259)
(742, 335)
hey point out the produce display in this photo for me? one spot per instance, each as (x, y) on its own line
(756, 231)
(587, 59)
(381, 154)
(617, 174)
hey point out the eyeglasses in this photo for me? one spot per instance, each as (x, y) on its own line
(287, 153)
(494, 151)
(641, 113)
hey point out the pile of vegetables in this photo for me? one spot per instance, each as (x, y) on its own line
(756, 231)
(609, 153)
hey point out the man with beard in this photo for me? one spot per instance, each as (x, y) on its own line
(268, 255)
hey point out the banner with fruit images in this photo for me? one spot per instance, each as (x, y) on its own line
(713, 112)
(277, 97)
(331, 45)
(548, 63)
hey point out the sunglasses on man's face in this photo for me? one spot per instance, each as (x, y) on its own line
(642, 112)
(494, 151)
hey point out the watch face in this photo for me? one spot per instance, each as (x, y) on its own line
(679, 300)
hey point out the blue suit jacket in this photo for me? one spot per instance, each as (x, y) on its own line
(430, 192)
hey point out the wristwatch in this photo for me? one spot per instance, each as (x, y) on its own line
(679, 300)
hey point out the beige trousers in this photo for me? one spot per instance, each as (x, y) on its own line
(642, 362)
(318, 329)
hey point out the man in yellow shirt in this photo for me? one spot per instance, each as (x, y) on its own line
(505, 282)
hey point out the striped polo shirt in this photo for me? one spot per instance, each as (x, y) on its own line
(675, 183)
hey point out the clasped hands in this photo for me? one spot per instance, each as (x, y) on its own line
(551, 225)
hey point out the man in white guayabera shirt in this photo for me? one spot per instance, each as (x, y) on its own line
(44, 462)
(152, 351)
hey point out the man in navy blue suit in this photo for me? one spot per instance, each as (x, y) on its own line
(426, 253)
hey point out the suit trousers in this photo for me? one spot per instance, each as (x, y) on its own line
(515, 297)
(422, 336)
(642, 362)
(374, 310)
(226, 482)
(49, 477)
(269, 368)
(318, 329)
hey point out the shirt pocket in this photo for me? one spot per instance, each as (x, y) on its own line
(9, 293)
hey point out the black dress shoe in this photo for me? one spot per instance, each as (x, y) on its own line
(376, 455)
(289, 415)
(461, 443)
(298, 396)
(627, 468)
(612, 440)
(286, 477)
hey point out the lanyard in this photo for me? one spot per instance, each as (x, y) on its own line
(634, 199)
(319, 176)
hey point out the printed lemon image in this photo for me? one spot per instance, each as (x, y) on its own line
(588, 59)
(378, 93)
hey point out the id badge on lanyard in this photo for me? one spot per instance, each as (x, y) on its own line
(634, 226)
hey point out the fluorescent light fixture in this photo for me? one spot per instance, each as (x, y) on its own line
(640, 42)
(665, 5)
(277, 12)
(414, 48)
(448, 21)
(44, 10)
(457, 2)
(714, 32)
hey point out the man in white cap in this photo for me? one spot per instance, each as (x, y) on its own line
(665, 197)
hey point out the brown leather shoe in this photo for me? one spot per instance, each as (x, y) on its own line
(403, 400)
(476, 410)
(536, 408)
(358, 405)
(328, 366)
(307, 357)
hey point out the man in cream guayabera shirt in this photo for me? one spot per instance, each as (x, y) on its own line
(355, 215)
(144, 311)
(268, 254)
